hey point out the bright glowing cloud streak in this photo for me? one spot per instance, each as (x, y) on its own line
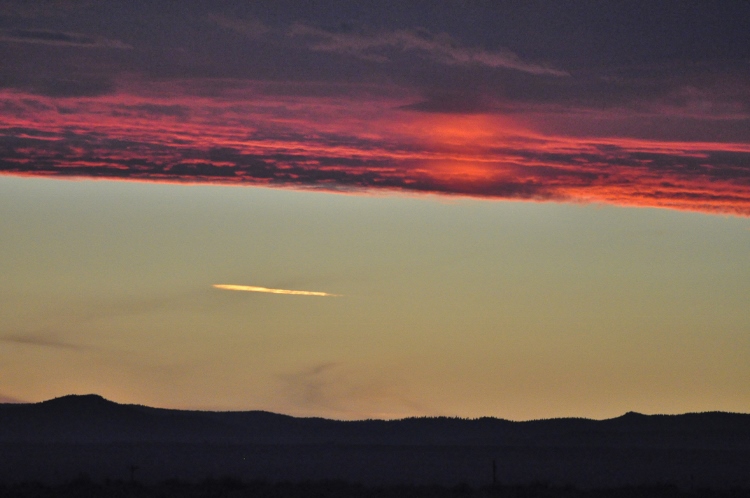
(250, 288)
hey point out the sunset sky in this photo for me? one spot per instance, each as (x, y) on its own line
(470, 208)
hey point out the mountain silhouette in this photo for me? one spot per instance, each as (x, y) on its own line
(86, 433)
(91, 418)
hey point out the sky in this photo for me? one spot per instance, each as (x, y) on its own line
(377, 209)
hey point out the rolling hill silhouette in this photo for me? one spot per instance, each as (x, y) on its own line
(65, 436)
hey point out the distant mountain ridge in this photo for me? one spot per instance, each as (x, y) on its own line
(93, 419)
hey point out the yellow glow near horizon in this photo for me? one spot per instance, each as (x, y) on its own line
(250, 288)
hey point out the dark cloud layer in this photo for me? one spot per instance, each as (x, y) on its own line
(503, 51)
(634, 103)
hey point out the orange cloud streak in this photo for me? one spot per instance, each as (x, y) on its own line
(250, 288)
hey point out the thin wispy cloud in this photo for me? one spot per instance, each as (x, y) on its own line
(311, 387)
(289, 292)
(41, 340)
(252, 28)
(10, 399)
(341, 390)
(441, 48)
(59, 38)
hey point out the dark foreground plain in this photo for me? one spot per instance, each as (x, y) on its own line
(233, 488)
(53, 442)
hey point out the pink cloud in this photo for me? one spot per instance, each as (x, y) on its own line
(358, 143)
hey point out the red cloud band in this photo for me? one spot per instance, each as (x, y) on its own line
(357, 144)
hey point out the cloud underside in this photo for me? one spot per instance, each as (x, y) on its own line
(360, 146)
(700, 180)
